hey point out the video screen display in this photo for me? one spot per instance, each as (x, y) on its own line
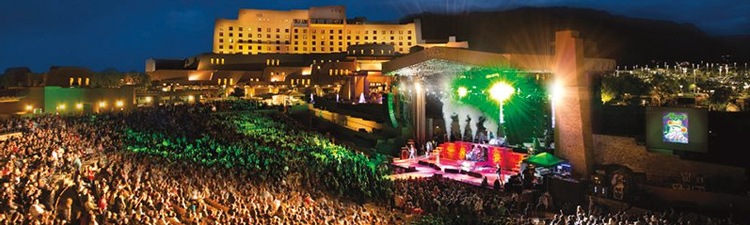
(675, 126)
(681, 129)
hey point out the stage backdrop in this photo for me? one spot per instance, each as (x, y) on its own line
(507, 159)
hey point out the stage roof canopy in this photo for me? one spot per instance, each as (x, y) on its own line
(439, 60)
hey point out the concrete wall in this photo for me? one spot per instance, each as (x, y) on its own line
(625, 151)
(350, 122)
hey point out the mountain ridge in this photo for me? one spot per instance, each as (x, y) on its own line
(629, 40)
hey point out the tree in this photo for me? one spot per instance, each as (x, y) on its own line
(720, 95)
(626, 88)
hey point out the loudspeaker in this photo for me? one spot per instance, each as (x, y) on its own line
(424, 163)
(448, 170)
(435, 167)
(474, 174)
(411, 169)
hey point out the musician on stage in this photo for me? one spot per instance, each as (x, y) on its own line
(499, 172)
(412, 152)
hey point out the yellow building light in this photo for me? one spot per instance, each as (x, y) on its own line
(61, 107)
(119, 103)
(102, 104)
(191, 98)
(149, 99)
(79, 106)
(29, 107)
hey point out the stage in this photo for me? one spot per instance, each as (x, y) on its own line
(452, 164)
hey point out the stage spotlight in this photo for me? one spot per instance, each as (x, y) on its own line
(462, 92)
(501, 91)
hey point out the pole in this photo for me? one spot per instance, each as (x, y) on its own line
(501, 124)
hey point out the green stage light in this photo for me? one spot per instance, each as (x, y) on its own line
(501, 91)
(526, 100)
(462, 92)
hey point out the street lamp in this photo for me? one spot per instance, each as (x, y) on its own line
(501, 91)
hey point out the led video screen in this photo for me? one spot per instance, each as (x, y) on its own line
(680, 129)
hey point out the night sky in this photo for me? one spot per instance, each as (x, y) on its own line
(101, 34)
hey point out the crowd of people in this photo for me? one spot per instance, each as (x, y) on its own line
(183, 164)
(232, 163)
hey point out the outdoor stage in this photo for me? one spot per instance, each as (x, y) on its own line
(452, 164)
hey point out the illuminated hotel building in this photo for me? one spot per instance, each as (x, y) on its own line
(315, 30)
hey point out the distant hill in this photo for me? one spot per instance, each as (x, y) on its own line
(740, 46)
(628, 40)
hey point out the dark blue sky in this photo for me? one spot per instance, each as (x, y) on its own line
(122, 34)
